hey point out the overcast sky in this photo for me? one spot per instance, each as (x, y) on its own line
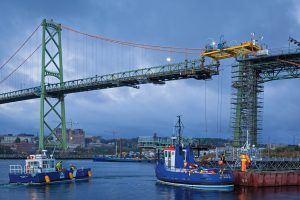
(152, 108)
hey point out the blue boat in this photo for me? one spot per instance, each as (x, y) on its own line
(40, 169)
(178, 168)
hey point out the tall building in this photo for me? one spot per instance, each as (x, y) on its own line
(75, 137)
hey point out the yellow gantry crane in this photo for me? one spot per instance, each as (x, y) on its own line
(221, 51)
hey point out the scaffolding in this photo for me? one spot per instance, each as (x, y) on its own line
(247, 103)
(248, 77)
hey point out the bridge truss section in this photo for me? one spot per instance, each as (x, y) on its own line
(133, 78)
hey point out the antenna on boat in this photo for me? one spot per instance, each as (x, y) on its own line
(179, 128)
(51, 156)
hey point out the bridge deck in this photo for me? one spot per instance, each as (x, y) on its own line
(133, 78)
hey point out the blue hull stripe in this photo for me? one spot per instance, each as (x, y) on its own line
(205, 187)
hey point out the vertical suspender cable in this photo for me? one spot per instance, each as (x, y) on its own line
(205, 118)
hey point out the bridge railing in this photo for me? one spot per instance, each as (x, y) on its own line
(20, 93)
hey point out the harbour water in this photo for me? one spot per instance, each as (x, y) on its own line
(126, 181)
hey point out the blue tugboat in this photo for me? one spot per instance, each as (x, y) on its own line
(179, 168)
(40, 169)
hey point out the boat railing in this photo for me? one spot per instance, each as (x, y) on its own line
(15, 169)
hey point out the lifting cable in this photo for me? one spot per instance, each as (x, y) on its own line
(205, 117)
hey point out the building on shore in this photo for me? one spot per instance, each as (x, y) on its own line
(25, 147)
(75, 137)
(8, 140)
(20, 143)
(11, 139)
(29, 138)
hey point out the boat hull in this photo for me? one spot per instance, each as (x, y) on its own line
(195, 179)
(202, 187)
(39, 178)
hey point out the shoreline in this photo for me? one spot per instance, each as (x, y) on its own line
(22, 157)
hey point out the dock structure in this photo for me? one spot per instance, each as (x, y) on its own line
(267, 178)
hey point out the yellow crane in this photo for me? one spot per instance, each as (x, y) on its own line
(222, 52)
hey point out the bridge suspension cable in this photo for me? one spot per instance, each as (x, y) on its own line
(172, 49)
(5, 78)
(22, 45)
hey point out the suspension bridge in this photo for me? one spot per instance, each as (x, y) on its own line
(41, 73)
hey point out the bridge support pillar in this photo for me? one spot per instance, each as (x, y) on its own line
(52, 108)
(247, 104)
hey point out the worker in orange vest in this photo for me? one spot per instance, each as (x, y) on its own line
(243, 162)
(247, 161)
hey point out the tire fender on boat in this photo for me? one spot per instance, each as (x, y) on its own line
(71, 175)
(89, 173)
(47, 179)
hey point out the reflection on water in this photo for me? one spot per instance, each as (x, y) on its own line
(280, 192)
(240, 193)
(54, 190)
(176, 193)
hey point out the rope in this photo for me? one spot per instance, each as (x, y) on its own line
(20, 65)
(205, 117)
(171, 49)
(221, 103)
(22, 45)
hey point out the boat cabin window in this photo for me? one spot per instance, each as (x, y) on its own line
(33, 164)
(52, 164)
(166, 154)
(169, 154)
(173, 153)
(48, 164)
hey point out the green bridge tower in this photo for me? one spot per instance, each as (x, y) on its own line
(52, 72)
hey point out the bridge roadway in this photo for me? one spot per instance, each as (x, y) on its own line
(156, 75)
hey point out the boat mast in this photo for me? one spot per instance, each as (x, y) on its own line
(179, 128)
